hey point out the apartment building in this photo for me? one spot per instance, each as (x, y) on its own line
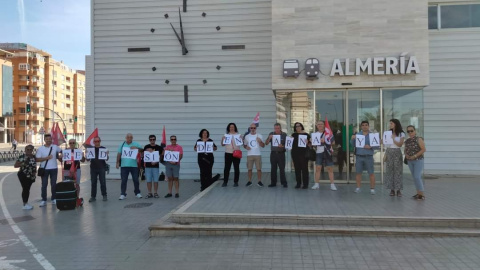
(6, 97)
(44, 92)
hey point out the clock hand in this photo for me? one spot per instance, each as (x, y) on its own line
(178, 37)
(184, 47)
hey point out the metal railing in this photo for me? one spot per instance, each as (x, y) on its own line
(11, 155)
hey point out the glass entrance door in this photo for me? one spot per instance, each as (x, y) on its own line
(330, 105)
(364, 105)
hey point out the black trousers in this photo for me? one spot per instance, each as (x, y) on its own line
(301, 168)
(277, 160)
(98, 174)
(229, 159)
(26, 184)
(205, 162)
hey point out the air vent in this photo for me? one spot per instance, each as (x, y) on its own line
(138, 49)
(233, 47)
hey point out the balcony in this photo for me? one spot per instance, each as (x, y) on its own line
(35, 117)
(35, 83)
(36, 93)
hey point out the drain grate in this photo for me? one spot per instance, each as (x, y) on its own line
(138, 205)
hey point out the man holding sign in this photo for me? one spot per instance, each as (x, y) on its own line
(97, 157)
(151, 160)
(277, 155)
(364, 155)
(127, 160)
(71, 161)
(172, 155)
(252, 143)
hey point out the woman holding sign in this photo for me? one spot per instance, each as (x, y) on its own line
(232, 142)
(414, 149)
(324, 155)
(299, 148)
(205, 159)
(172, 154)
(393, 158)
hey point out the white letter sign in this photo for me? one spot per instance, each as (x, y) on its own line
(90, 153)
(360, 141)
(387, 137)
(374, 139)
(209, 147)
(227, 139)
(302, 141)
(276, 140)
(173, 156)
(67, 155)
(129, 153)
(151, 157)
(316, 138)
(78, 154)
(102, 153)
(200, 147)
(289, 143)
(238, 140)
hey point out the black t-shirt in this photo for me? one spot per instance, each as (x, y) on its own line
(68, 164)
(295, 148)
(96, 163)
(206, 154)
(155, 148)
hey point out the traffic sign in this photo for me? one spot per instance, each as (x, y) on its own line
(41, 131)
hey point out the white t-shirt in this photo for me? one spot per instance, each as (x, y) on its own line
(43, 151)
(397, 139)
(251, 140)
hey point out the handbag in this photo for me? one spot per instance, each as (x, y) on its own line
(310, 154)
(161, 177)
(405, 160)
(120, 163)
(237, 154)
(41, 171)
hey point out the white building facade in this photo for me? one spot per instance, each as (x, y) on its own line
(290, 61)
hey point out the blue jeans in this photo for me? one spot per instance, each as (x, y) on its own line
(100, 172)
(53, 173)
(416, 168)
(124, 171)
(151, 174)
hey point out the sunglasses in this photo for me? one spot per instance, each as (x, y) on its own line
(173, 139)
(253, 128)
(152, 139)
(71, 143)
(96, 141)
(410, 131)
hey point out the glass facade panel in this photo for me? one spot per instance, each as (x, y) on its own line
(432, 17)
(460, 16)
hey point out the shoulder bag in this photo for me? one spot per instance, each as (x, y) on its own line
(236, 153)
(120, 163)
(41, 171)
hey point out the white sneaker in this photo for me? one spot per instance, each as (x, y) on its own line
(357, 190)
(316, 186)
(27, 207)
(54, 201)
(122, 197)
(372, 191)
(333, 187)
(139, 195)
(43, 203)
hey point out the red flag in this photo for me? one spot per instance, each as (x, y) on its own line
(89, 141)
(328, 132)
(53, 134)
(256, 121)
(73, 169)
(59, 136)
(164, 137)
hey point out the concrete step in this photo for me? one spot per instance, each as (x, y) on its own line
(311, 220)
(169, 228)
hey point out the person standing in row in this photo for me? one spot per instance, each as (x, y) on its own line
(414, 149)
(47, 155)
(364, 158)
(97, 171)
(277, 156)
(324, 155)
(394, 161)
(128, 166)
(71, 168)
(299, 149)
(26, 174)
(229, 158)
(253, 141)
(205, 160)
(172, 168)
(152, 169)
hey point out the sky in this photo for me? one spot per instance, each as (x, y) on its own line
(59, 27)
